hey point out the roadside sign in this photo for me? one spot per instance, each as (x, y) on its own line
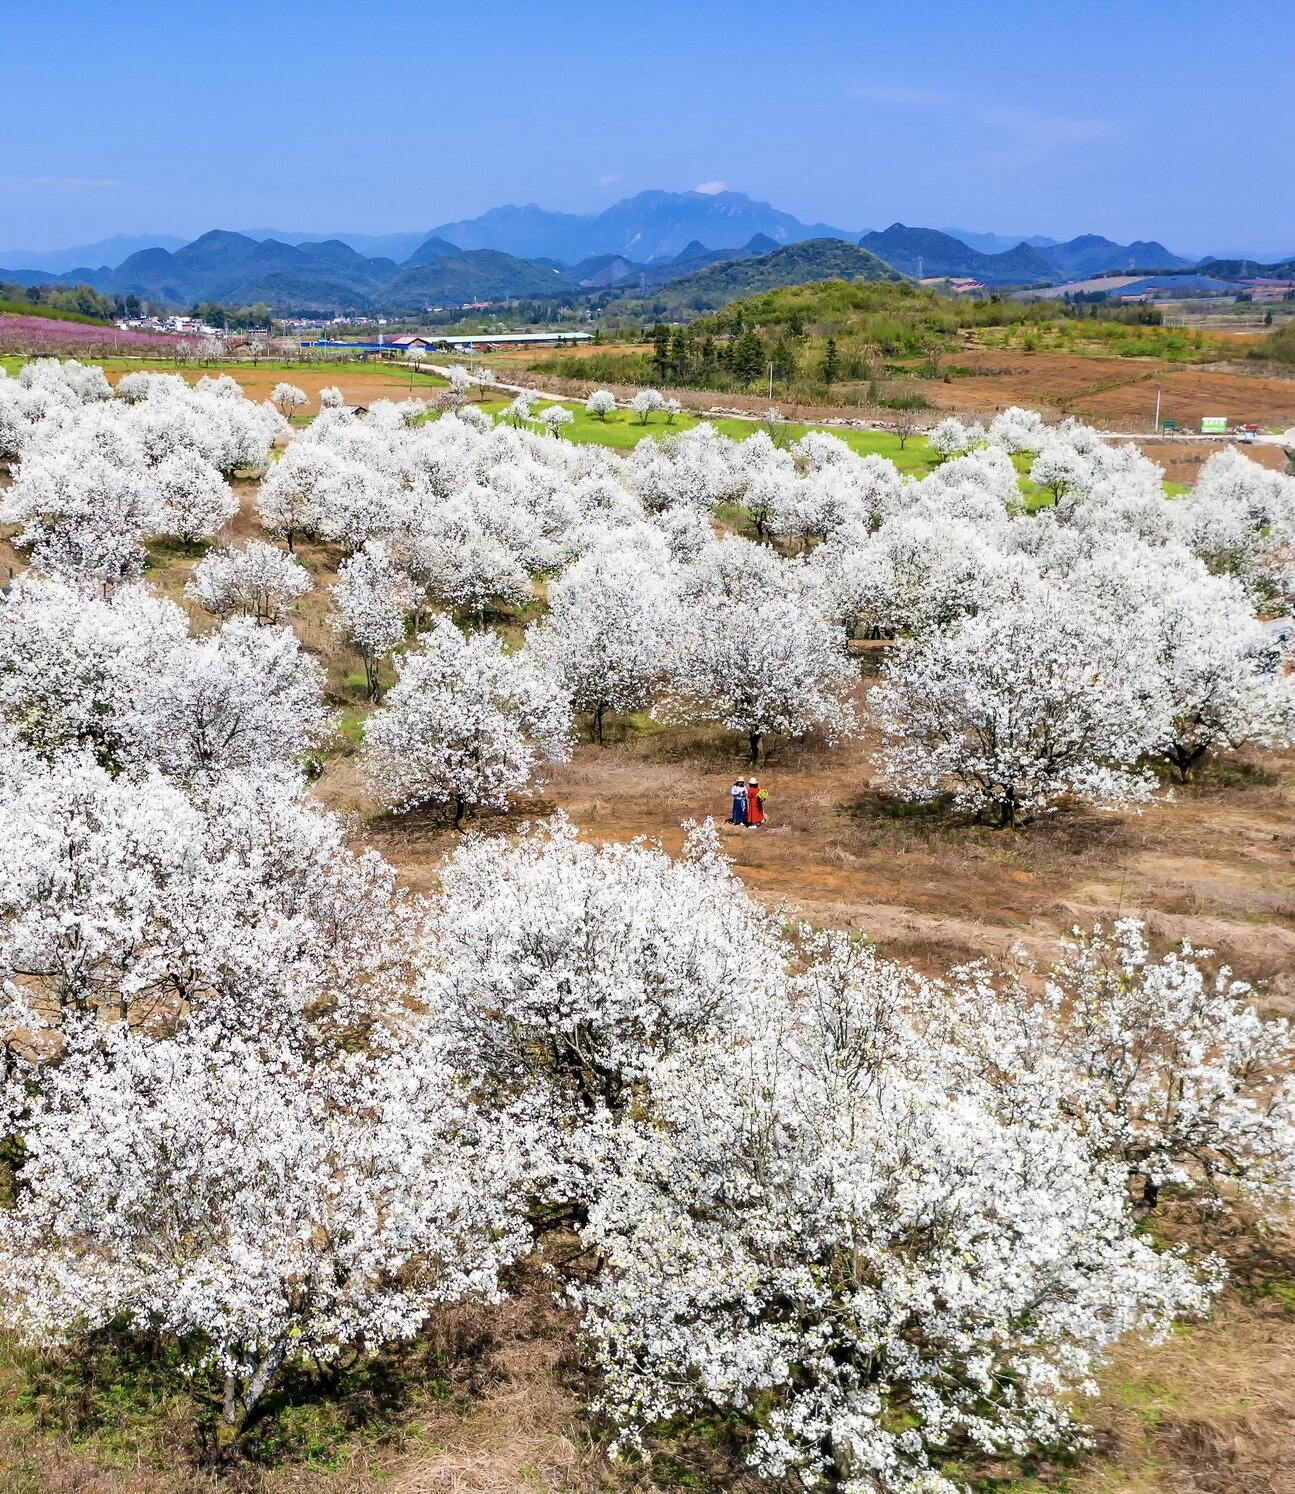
(1214, 425)
(1169, 427)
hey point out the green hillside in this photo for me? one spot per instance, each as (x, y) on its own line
(814, 260)
(472, 275)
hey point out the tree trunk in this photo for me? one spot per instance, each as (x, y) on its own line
(459, 806)
(598, 723)
(754, 738)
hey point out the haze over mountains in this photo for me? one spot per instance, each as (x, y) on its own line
(639, 244)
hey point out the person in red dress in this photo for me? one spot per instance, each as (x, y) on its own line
(755, 797)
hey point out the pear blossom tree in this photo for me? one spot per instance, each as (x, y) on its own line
(1219, 674)
(71, 661)
(761, 665)
(1013, 709)
(281, 1198)
(466, 725)
(287, 399)
(243, 697)
(601, 403)
(555, 417)
(1164, 1066)
(1059, 468)
(460, 381)
(135, 897)
(646, 402)
(523, 402)
(814, 1228)
(83, 515)
(373, 598)
(607, 636)
(256, 579)
(567, 969)
(950, 438)
(197, 502)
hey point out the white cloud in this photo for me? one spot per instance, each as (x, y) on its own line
(610, 179)
(709, 189)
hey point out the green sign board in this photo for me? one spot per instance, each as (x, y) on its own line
(1169, 426)
(1214, 425)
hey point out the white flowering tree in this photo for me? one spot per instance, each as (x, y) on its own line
(244, 697)
(466, 725)
(84, 514)
(1164, 1066)
(523, 402)
(1060, 469)
(568, 969)
(460, 381)
(951, 438)
(1218, 673)
(1016, 708)
(71, 661)
(373, 597)
(131, 896)
(601, 403)
(287, 399)
(256, 579)
(813, 1230)
(612, 617)
(197, 502)
(281, 1197)
(761, 665)
(555, 417)
(645, 403)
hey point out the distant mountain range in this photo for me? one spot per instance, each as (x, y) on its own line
(640, 245)
(1281, 270)
(927, 252)
(646, 227)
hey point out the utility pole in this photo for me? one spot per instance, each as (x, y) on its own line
(1157, 426)
(771, 383)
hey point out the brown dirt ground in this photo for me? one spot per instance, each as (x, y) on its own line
(1211, 1411)
(1115, 392)
(360, 384)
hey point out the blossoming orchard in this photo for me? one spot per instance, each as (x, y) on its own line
(272, 1111)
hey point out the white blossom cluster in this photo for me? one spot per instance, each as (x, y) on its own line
(260, 1103)
(98, 472)
(122, 679)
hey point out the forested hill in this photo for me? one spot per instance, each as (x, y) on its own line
(797, 264)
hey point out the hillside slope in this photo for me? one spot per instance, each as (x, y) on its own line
(797, 264)
(472, 275)
(928, 252)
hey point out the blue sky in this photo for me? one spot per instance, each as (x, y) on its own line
(1168, 119)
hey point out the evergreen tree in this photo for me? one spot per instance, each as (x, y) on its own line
(831, 363)
(748, 357)
(661, 349)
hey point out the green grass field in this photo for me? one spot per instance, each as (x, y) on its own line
(624, 431)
